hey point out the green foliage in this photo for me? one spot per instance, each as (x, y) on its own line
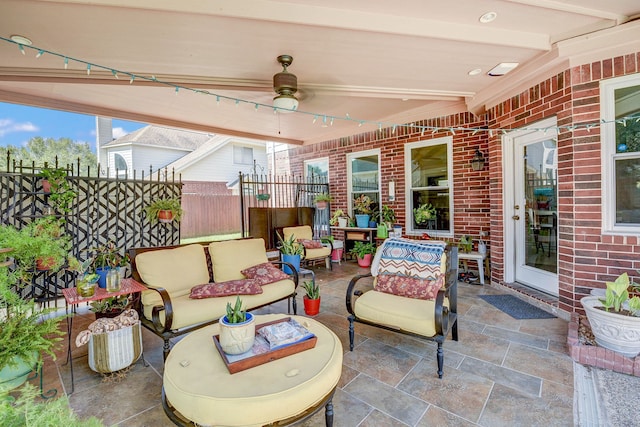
(388, 214)
(323, 197)
(40, 150)
(108, 305)
(465, 244)
(28, 411)
(109, 256)
(62, 194)
(628, 134)
(362, 205)
(617, 294)
(312, 289)
(339, 213)
(171, 204)
(360, 249)
(235, 314)
(290, 246)
(424, 213)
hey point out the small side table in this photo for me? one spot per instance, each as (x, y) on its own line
(71, 298)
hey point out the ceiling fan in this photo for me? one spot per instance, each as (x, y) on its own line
(285, 85)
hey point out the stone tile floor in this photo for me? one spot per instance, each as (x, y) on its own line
(502, 372)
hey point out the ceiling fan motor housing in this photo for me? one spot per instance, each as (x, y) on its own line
(285, 83)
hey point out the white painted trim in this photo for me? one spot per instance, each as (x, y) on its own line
(355, 155)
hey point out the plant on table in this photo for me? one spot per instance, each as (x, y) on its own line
(322, 199)
(86, 279)
(339, 213)
(465, 244)
(235, 313)
(237, 329)
(164, 210)
(362, 205)
(388, 216)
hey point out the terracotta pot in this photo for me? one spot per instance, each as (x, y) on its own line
(321, 205)
(165, 216)
(365, 261)
(43, 264)
(46, 185)
(311, 306)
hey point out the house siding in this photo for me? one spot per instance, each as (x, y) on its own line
(586, 257)
(154, 158)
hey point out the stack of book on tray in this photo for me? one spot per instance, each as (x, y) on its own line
(279, 335)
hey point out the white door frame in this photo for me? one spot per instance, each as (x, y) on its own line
(509, 183)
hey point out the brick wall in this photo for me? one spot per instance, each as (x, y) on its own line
(586, 257)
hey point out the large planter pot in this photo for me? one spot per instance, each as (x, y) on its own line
(14, 376)
(237, 338)
(365, 261)
(614, 331)
(293, 260)
(311, 306)
(362, 221)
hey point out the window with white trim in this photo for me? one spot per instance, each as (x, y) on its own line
(363, 178)
(242, 155)
(620, 133)
(429, 175)
(317, 168)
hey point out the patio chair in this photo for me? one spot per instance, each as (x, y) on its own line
(314, 249)
(414, 292)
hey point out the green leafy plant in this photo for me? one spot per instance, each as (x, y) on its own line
(424, 213)
(109, 256)
(172, 204)
(388, 215)
(362, 205)
(62, 194)
(339, 213)
(312, 289)
(290, 246)
(360, 249)
(465, 244)
(110, 304)
(235, 314)
(617, 294)
(323, 197)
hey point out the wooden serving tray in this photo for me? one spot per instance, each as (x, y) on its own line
(260, 359)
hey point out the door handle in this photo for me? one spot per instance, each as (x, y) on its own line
(516, 217)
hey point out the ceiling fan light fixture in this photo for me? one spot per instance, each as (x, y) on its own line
(285, 103)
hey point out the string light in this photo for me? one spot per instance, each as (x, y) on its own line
(315, 118)
(393, 126)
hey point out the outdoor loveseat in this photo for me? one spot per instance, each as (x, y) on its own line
(414, 292)
(190, 285)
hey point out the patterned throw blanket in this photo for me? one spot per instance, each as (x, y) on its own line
(413, 258)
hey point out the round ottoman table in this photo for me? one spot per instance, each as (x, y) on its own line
(198, 388)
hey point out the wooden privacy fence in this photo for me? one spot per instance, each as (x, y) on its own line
(210, 214)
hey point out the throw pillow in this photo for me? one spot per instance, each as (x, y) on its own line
(265, 273)
(223, 289)
(310, 244)
(410, 287)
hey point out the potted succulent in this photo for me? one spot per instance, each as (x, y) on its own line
(312, 298)
(55, 182)
(164, 210)
(364, 252)
(362, 210)
(615, 319)
(322, 199)
(291, 252)
(338, 219)
(237, 329)
(424, 213)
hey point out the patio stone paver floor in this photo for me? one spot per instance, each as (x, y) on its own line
(503, 371)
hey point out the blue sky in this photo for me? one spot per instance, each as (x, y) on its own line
(19, 123)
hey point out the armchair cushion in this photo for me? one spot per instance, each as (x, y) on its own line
(265, 273)
(223, 289)
(228, 264)
(299, 232)
(410, 287)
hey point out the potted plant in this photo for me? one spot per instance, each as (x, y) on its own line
(237, 329)
(110, 307)
(362, 210)
(364, 252)
(55, 182)
(291, 252)
(466, 244)
(106, 258)
(322, 199)
(86, 280)
(312, 298)
(164, 210)
(615, 319)
(338, 219)
(424, 213)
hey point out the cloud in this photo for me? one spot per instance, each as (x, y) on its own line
(9, 126)
(119, 132)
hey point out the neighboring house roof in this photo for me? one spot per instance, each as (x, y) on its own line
(159, 136)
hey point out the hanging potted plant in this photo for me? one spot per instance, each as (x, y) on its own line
(364, 253)
(237, 329)
(322, 199)
(55, 183)
(164, 210)
(312, 298)
(362, 210)
(615, 319)
(291, 252)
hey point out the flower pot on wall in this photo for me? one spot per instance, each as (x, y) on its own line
(362, 221)
(614, 331)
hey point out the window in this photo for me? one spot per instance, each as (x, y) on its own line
(120, 164)
(428, 180)
(621, 154)
(363, 174)
(317, 169)
(242, 155)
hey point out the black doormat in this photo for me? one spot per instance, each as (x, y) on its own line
(515, 307)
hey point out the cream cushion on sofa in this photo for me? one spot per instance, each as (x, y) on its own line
(408, 314)
(230, 257)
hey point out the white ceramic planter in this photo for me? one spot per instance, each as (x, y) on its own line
(237, 338)
(611, 330)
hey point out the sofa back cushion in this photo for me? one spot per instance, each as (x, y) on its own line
(230, 257)
(301, 232)
(176, 270)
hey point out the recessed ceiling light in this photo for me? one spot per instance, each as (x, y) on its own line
(21, 40)
(488, 17)
(502, 68)
(475, 72)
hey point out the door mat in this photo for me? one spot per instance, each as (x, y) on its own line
(516, 308)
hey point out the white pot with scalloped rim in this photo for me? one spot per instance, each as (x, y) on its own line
(237, 338)
(614, 331)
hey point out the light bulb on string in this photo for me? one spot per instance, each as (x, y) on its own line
(132, 79)
(315, 118)
(21, 49)
(40, 53)
(88, 69)
(115, 74)
(66, 62)
(177, 90)
(217, 100)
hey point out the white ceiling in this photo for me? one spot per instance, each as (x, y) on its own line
(370, 60)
